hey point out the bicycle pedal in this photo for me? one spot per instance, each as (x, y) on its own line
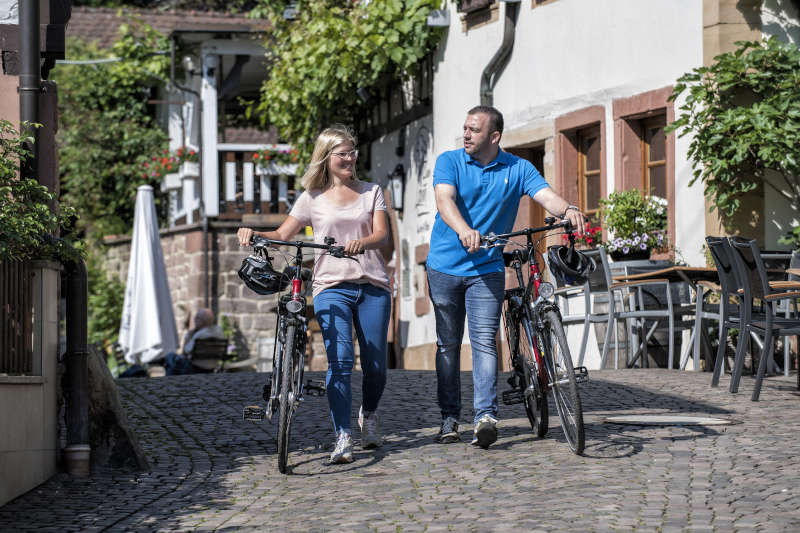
(510, 397)
(254, 413)
(581, 374)
(315, 387)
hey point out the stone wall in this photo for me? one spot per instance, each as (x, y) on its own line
(252, 315)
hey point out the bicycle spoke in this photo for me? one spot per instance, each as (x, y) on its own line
(564, 385)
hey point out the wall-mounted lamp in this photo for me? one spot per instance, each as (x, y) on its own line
(439, 18)
(290, 12)
(397, 184)
(364, 95)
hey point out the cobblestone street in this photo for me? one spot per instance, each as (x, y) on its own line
(212, 471)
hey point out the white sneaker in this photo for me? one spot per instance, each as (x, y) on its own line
(485, 431)
(370, 435)
(343, 451)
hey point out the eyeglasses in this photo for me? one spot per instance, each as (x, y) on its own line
(353, 154)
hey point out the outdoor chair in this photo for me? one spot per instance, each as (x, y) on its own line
(589, 315)
(730, 300)
(210, 350)
(640, 316)
(755, 285)
(646, 313)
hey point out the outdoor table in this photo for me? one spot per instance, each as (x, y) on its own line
(698, 279)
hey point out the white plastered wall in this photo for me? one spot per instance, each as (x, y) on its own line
(568, 55)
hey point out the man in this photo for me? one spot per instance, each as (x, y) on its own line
(204, 328)
(477, 191)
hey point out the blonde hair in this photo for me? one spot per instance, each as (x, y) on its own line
(316, 175)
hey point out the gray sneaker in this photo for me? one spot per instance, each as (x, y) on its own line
(343, 451)
(370, 435)
(449, 431)
(485, 431)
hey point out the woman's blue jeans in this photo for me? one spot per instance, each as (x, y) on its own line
(338, 309)
(480, 300)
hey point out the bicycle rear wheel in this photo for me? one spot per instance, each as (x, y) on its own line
(558, 361)
(286, 398)
(533, 394)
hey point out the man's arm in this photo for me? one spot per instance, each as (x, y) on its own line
(448, 210)
(557, 206)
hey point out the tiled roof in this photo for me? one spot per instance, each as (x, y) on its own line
(102, 24)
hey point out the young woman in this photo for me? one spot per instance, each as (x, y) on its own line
(346, 293)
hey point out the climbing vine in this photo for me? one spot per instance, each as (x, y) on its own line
(329, 51)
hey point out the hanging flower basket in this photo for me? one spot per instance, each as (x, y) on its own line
(190, 170)
(171, 181)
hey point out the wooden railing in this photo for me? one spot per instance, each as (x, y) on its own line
(247, 188)
(16, 316)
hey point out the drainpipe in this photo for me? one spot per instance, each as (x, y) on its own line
(30, 81)
(500, 59)
(74, 284)
(203, 216)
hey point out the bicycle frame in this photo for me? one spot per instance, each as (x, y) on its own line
(530, 300)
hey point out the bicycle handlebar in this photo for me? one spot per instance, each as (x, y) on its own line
(491, 238)
(336, 251)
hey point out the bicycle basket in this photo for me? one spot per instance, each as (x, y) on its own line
(258, 274)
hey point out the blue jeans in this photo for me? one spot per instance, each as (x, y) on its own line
(480, 299)
(338, 309)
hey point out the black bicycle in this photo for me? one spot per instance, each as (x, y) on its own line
(538, 345)
(284, 391)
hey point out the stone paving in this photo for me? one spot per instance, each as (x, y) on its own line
(212, 471)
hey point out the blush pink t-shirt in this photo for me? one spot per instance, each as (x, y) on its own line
(343, 223)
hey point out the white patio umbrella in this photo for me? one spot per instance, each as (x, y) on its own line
(147, 330)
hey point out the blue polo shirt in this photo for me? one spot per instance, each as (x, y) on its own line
(488, 198)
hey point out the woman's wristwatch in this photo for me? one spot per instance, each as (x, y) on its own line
(575, 207)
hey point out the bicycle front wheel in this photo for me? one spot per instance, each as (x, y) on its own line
(533, 393)
(286, 398)
(558, 361)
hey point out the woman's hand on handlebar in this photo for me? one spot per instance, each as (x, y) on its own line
(354, 247)
(244, 235)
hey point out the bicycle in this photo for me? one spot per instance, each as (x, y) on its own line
(540, 354)
(283, 393)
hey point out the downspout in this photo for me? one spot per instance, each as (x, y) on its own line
(74, 283)
(74, 279)
(203, 216)
(30, 82)
(500, 59)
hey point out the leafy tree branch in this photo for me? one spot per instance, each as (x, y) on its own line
(743, 113)
(329, 51)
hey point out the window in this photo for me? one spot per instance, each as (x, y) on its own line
(589, 171)
(580, 158)
(469, 6)
(644, 157)
(654, 156)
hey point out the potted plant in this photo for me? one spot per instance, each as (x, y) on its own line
(592, 237)
(636, 224)
(274, 155)
(189, 162)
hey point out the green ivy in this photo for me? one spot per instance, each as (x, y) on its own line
(107, 131)
(28, 226)
(105, 300)
(743, 113)
(331, 49)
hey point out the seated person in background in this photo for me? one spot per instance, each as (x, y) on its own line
(204, 328)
